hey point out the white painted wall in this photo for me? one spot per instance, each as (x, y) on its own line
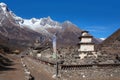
(86, 40)
(86, 47)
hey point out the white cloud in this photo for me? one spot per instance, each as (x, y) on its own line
(96, 28)
(97, 31)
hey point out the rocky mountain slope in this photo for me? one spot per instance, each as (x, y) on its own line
(10, 31)
(112, 43)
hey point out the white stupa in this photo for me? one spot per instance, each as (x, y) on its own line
(86, 44)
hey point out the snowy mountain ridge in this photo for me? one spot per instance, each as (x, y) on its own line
(39, 25)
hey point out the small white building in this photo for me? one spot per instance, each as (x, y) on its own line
(86, 44)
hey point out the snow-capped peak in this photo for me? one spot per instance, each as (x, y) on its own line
(41, 23)
(68, 22)
(34, 20)
(48, 18)
(3, 4)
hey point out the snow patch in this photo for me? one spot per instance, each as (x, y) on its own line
(4, 8)
(102, 38)
(3, 4)
(42, 23)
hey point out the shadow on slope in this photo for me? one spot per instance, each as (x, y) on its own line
(5, 63)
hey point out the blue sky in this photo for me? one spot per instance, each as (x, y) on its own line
(100, 17)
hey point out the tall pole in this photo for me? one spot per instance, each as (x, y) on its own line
(55, 53)
(54, 46)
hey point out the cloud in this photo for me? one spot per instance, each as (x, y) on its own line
(96, 28)
(98, 31)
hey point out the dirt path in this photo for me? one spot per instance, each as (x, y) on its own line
(17, 70)
(37, 69)
(15, 73)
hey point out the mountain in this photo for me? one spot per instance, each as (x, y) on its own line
(112, 43)
(112, 38)
(11, 34)
(17, 30)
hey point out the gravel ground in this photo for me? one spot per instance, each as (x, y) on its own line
(91, 74)
(41, 71)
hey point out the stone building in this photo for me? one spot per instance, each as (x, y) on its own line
(86, 44)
